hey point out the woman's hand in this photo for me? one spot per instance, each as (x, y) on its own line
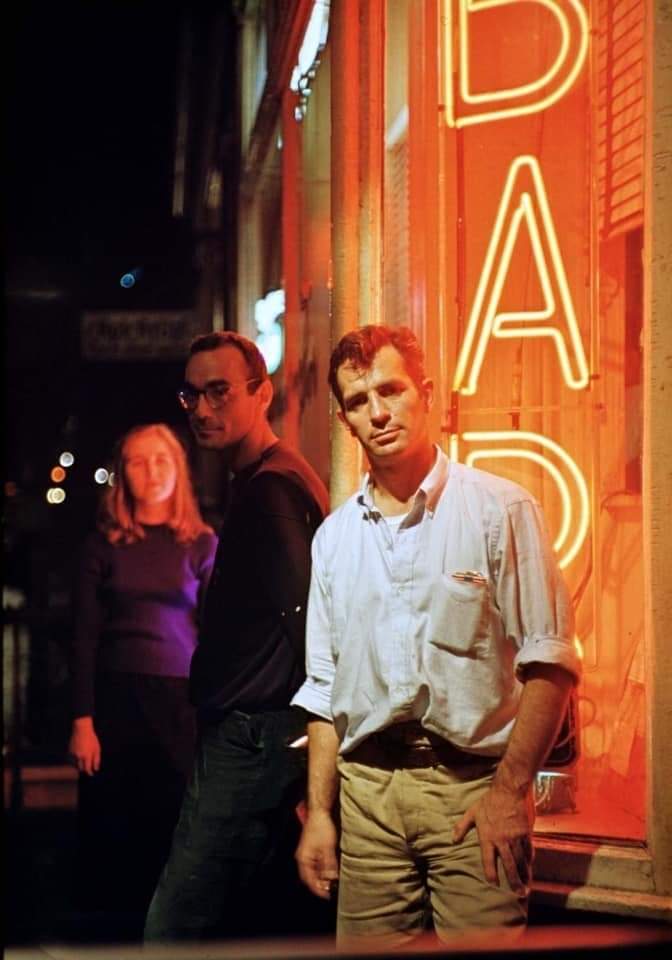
(84, 746)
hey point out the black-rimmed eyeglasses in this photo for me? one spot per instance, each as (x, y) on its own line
(216, 393)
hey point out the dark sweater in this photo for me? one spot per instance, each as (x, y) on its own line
(251, 651)
(135, 608)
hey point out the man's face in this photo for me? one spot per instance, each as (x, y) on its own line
(384, 408)
(239, 410)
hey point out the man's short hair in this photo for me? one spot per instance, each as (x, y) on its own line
(252, 355)
(360, 346)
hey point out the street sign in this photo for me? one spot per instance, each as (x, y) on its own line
(137, 335)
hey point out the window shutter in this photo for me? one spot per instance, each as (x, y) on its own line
(396, 234)
(620, 52)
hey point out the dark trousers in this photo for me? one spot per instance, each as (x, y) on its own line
(231, 868)
(128, 810)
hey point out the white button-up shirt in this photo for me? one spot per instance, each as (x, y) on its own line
(434, 615)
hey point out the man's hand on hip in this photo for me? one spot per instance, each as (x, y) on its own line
(504, 816)
(503, 819)
(316, 854)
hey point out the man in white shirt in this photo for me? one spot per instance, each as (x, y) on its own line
(440, 658)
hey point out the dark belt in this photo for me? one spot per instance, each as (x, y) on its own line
(409, 744)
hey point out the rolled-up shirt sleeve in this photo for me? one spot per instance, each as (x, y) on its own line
(532, 594)
(315, 693)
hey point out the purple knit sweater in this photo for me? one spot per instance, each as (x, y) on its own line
(135, 608)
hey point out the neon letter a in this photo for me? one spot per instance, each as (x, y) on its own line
(554, 320)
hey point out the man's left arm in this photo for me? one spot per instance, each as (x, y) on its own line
(504, 816)
(537, 615)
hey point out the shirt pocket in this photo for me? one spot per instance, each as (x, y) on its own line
(460, 616)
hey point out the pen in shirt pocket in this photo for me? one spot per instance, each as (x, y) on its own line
(469, 576)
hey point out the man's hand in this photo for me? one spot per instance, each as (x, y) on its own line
(503, 819)
(504, 816)
(316, 854)
(84, 746)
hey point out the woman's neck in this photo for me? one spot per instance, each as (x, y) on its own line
(152, 514)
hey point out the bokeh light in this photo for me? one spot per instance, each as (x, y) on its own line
(128, 279)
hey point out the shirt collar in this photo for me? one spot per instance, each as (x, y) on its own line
(434, 483)
(245, 473)
(429, 491)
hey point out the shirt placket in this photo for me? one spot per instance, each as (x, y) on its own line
(401, 549)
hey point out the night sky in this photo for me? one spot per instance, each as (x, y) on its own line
(91, 113)
(90, 124)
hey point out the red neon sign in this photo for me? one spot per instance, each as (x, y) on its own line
(498, 310)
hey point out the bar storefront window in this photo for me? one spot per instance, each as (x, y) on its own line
(513, 215)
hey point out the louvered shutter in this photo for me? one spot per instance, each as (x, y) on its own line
(620, 51)
(396, 234)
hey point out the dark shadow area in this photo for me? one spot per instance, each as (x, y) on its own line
(40, 883)
(38, 875)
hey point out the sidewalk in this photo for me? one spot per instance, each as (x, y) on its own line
(39, 854)
(558, 943)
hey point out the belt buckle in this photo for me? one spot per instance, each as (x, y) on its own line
(407, 735)
(415, 736)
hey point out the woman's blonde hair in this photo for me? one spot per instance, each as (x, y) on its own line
(117, 515)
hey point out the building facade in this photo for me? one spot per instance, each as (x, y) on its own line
(498, 177)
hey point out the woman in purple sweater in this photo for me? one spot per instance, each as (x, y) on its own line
(141, 579)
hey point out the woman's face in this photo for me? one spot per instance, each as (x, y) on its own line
(150, 469)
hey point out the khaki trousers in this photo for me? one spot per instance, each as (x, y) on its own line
(399, 865)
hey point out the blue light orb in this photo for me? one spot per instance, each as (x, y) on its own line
(128, 280)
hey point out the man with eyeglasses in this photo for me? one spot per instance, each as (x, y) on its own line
(234, 835)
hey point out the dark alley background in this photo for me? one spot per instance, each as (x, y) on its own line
(94, 97)
(92, 100)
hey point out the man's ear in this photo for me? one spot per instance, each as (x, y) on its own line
(428, 393)
(265, 394)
